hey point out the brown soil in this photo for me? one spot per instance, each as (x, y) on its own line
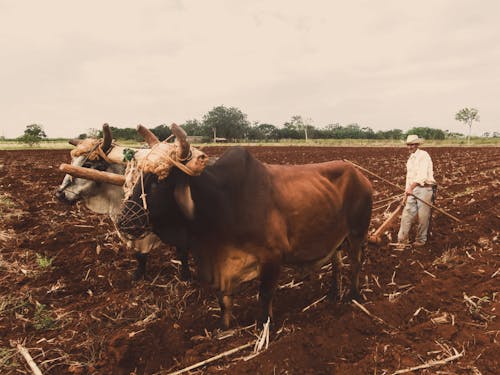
(83, 314)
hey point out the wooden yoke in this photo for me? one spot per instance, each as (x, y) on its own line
(92, 174)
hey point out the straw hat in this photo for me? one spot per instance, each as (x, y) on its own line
(413, 138)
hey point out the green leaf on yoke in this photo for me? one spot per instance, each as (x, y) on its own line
(128, 154)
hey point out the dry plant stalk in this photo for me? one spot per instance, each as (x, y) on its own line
(313, 304)
(24, 352)
(431, 363)
(263, 339)
(210, 360)
(376, 318)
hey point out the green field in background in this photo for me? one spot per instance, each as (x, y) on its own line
(475, 142)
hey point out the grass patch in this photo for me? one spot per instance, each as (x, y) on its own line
(6, 202)
(51, 144)
(11, 304)
(43, 261)
(475, 142)
(43, 320)
(8, 209)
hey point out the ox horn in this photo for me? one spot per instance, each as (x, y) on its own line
(107, 138)
(181, 138)
(148, 135)
(92, 174)
(75, 141)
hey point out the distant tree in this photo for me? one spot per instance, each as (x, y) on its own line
(298, 125)
(91, 133)
(124, 133)
(352, 131)
(194, 127)
(162, 132)
(290, 130)
(229, 123)
(467, 116)
(269, 131)
(368, 132)
(389, 134)
(263, 132)
(33, 134)
(330, 130)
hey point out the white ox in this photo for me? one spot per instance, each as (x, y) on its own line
(103, 198)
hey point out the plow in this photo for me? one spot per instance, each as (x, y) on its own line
(376, 236)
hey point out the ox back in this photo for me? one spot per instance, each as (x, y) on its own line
(250, 218)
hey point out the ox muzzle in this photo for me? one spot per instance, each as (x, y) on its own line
(61, 196)
(133, 220)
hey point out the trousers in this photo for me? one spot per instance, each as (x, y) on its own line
(414, 209)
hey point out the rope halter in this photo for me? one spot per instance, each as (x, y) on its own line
(163, 156)
(91, 148)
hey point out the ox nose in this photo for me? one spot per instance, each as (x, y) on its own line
(133, 219)
(60, 195)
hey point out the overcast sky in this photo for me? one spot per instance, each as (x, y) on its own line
(73, 65)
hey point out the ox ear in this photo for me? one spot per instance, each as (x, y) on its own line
(182, 195)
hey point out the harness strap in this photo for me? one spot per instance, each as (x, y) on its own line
(181, 166)
(103, 154)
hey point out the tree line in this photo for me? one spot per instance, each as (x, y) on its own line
(231, 124)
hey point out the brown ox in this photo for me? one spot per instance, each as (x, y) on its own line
(245, 219)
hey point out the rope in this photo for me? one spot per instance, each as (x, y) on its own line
(181, 166)
(143, 195)
(161, 158)
(131, 177)
(92, 149)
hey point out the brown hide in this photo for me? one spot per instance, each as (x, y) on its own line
(300, 217)
(315, 206)
(246, 219)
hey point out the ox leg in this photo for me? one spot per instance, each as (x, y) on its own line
(140, 271)
(356, 253)
(269, 276)
(334, 294)
(182, 254)
(226, 308)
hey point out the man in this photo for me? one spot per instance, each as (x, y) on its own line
(419, 183)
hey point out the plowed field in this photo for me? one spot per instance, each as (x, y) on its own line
(67, 295)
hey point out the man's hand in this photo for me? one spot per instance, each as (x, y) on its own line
(410, 188)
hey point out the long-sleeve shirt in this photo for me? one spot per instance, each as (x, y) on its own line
(419, 169)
